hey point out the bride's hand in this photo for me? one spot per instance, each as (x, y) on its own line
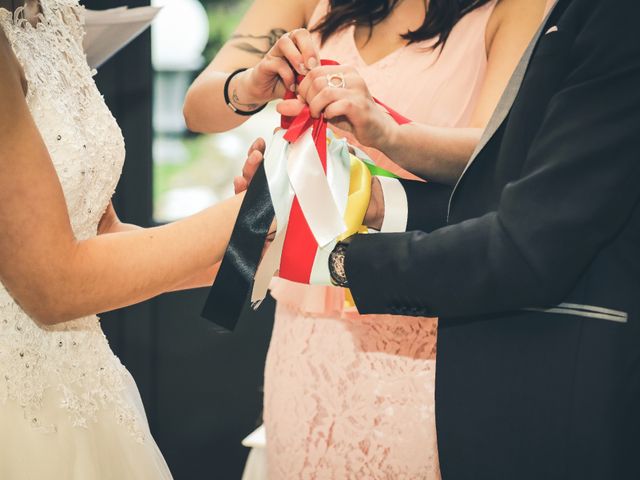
(341, 94)
(255, 155)
(294, 53)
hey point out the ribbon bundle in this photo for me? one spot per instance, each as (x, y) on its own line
(318, 188)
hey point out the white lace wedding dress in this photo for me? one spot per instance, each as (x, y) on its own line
(69, 410)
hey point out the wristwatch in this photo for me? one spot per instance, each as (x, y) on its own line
(336, 263)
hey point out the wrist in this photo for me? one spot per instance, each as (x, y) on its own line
(243, 92)
(374, 217)
(337, 259)
(232, 99)
(390, 138)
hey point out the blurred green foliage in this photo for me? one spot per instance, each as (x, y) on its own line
(224, 16)
(207, 163)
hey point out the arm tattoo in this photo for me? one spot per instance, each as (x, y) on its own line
(236, 101)
(267, 41)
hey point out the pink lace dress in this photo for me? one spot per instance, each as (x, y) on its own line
(350, 396)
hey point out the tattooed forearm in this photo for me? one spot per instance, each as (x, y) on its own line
(236, 101)
(266, 42)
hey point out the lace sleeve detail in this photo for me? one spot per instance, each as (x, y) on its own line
(6, 19)
(71, 15)
(66, 12)
(74, 17)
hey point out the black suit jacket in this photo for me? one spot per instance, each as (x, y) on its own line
(536, 273)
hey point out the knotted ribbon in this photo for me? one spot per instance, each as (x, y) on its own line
(310, 183)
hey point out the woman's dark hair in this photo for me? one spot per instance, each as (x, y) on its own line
(441, 17)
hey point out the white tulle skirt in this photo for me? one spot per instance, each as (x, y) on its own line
(103, 450)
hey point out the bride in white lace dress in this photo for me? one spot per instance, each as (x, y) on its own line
(68, 408)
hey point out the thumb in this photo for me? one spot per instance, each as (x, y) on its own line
(290, 108)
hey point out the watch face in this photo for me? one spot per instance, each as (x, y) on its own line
(336, 265)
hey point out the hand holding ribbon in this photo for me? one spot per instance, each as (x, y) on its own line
(319, 192)
(340, 94)
(293, 53)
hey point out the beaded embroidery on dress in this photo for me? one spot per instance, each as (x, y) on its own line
(64, 382)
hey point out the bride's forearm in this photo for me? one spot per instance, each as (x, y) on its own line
(54, 276)
(200, 280)
(435, 153)
(119, 269)
(110, 223)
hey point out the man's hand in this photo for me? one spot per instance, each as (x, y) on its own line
(255, 156)
(375, 213)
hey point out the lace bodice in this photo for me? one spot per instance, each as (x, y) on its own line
(87, 150)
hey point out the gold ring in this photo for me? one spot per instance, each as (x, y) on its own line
(336, 80)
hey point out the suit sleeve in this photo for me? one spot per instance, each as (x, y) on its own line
(414, 205)
(427, 204)
(579, 187)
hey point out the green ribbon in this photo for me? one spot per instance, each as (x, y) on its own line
(360, 154)
(377, 171)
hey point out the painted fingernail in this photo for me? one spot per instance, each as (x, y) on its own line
(302, 69)
(292, 87)
(312, 62)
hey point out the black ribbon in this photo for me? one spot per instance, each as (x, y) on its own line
(234, 281)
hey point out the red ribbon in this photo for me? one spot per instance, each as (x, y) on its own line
(300, 246)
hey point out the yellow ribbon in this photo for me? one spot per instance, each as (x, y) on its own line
(358, 199)
(357, 204)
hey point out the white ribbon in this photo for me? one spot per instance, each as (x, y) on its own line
(334, 193)
(275, 166)
(310, 184)
(338, 178)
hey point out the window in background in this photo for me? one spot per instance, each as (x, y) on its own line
(192, 171)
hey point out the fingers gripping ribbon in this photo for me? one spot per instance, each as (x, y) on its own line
(318, 193)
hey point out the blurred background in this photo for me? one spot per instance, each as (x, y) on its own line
(193, 171)
(202, 390)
